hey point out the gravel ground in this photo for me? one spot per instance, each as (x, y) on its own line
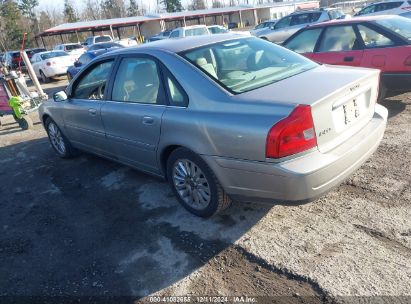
(90, 227)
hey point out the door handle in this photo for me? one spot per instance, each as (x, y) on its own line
(92, 112)
(148, 120)
(349, 59)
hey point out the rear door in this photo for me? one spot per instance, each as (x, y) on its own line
(304, 42)
(381, 49)
(132, 117)
(82, 111)
(339, 45)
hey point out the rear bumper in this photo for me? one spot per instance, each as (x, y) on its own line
(397, 81)
(301, 179)
(55, 71)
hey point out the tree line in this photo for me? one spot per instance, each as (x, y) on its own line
(24, 16)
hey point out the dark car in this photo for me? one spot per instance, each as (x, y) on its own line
(160, 36)
(232, 25)
(84, 60)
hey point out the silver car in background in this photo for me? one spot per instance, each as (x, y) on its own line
(288, 25)
(222, 118)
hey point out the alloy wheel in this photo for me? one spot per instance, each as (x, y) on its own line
(191, 184)
(56, 138)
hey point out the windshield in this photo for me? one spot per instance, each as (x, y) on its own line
(196, 31)
(102, 46)
(71, 47)
(246, 64)
(102, 39)
(400, 25)
(52, 55)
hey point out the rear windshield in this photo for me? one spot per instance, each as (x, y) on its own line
(71, 47)
(52, 55)
(102, 39)
(400, 25)
(196, 31)
(246, 64)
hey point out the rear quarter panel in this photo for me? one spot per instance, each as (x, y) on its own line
(389, 59)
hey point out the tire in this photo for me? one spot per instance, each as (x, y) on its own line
(25, 122)
(44, 78)
(58, 141)
(382, 92)
(195, 186)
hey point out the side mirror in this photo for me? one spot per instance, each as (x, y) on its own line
(77, 64)
(60, 96)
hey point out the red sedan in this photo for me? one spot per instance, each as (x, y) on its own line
(381, 42)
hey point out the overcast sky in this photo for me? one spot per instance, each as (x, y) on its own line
(59, 4)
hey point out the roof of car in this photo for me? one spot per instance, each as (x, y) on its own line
(352, 20)
(177, 45)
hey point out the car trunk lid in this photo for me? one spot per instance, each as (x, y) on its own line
(342, 100)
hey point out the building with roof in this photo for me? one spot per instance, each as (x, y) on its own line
(153, 23)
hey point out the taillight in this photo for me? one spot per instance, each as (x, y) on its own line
(408, 61)
(292, 135)
(48, 63)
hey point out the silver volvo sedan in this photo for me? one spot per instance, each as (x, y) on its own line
(223, 118)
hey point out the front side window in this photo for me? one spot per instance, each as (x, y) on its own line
(305, 41)
(246, 64)
(339, 38)
(84, 59)
(366, 10)
(174, 34)
(91, 85)
(373, 39)
(137, 81)
(283, 22)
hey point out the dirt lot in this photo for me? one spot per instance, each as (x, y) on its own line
(90, 227)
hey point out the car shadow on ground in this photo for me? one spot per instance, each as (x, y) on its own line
(87, 226)
(394, 105)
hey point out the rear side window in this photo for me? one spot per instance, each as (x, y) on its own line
(373, 39)
(91, 85)
(137, 81)
(338, 38)
(305, 41)
(387, 6)
(176, 93)
(71, 47)
(335, 14)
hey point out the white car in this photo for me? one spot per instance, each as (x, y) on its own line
(96, 39)
(73, 49)
(186, 31)
(51, 64)
(392, 7)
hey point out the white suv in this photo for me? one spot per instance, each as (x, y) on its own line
(393, 7)
(194, 30)
(97, 39)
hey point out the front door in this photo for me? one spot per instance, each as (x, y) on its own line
(82, 111)
(132, 117)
